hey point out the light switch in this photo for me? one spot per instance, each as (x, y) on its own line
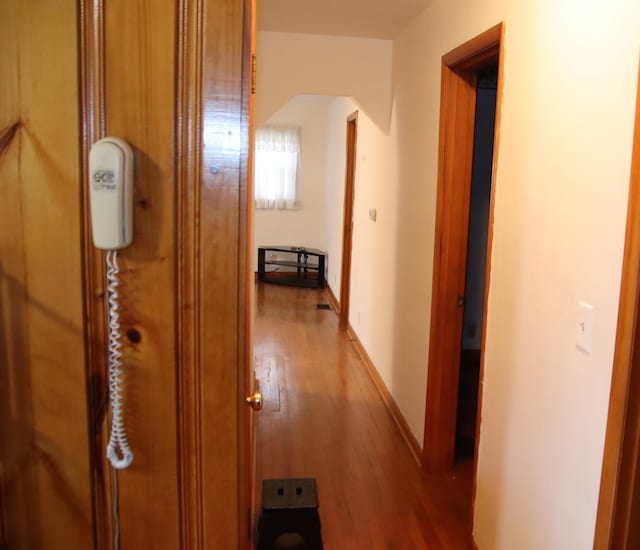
(584, 326)
(373, 214)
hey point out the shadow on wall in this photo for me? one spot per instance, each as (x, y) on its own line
(291, 64)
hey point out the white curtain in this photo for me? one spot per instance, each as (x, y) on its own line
(276, 166)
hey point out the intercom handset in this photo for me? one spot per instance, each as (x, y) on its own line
(111, 189)
(111, 193)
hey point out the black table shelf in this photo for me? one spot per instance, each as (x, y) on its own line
(306, 266)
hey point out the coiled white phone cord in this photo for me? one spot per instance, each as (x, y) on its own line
(118, 451)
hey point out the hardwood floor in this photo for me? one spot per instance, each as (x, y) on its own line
(324, 418)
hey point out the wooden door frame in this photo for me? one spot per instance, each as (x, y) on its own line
(347, 220)
(457, 119)
(211, 208)
(621, 465)
(251, 384)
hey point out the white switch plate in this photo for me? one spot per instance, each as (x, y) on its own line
(584, 326)
(373, 214)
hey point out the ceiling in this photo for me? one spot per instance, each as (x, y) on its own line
(362, 18)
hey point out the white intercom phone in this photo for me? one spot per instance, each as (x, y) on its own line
(111, 194)
(111, 189)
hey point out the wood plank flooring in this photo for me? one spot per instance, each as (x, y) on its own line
(323, 418)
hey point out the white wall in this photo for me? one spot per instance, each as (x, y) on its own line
(374, 247)
(338, 112)
(289, 64)
(304, 226)
(561, 194)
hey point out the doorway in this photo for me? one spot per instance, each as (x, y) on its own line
(347, 227)
(476, 61)
(473, 310)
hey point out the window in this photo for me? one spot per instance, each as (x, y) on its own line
(276, 166)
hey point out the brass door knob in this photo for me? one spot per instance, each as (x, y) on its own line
(255, 401)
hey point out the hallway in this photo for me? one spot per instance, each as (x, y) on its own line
(324, 418)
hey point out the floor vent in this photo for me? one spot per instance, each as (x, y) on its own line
(323, 306)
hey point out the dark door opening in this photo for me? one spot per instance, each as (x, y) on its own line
(479, 209)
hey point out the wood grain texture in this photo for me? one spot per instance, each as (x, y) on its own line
(56, 484)
(347, 223)
(477, 52)
(250, 385)
(171, 78)
(223, 271)
(618, 505)
(139, 106)
(92, 120)
(44, 428)
(323, 417)
(139, 74)
(129, 85)
(188, 177)
(6, 136)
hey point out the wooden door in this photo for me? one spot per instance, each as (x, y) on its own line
(171, 77)
(251, 384)
(45, 497)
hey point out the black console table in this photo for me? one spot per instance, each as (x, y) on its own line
(300, 266)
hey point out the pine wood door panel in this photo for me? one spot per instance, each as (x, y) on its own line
(222, 277)
(139, 99)
(44, 464)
